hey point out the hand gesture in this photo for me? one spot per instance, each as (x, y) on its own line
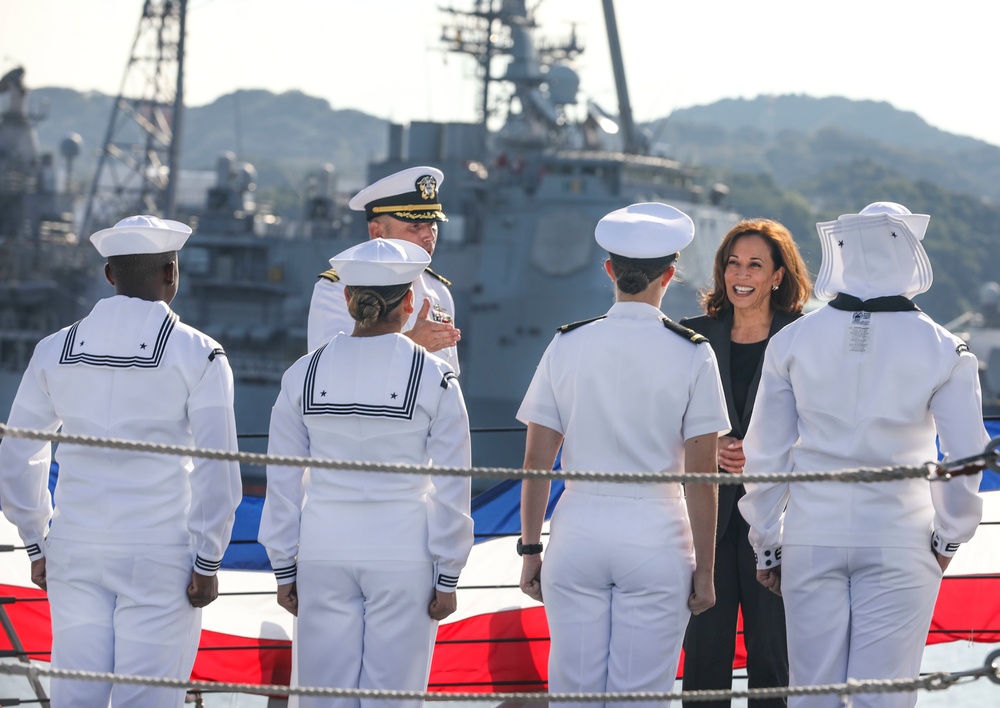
(731, 457)
(430, 334)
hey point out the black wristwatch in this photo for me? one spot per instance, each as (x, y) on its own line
(531, 549)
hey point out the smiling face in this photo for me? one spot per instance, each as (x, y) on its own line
(750, 274)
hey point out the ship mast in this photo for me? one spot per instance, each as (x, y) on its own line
(140, 156)
(634, 144)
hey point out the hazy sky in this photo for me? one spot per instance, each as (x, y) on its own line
(938, 59)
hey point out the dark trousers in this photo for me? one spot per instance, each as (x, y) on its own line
(710, 641)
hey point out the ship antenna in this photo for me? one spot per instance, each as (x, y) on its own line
(140, 156)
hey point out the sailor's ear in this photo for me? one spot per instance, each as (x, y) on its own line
(170, 272)
(107, 273)
(609, 270)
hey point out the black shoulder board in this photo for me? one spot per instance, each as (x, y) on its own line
(685, 332)
(330, 275)
(450, 376)
(573, 325)
(218, 351)
(439, 277)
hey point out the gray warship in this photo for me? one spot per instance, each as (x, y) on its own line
(46, 277)
(524, 187)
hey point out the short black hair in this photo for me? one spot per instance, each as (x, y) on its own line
(138, 268)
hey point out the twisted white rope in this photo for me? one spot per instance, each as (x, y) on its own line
(932, 682)
(928, 470)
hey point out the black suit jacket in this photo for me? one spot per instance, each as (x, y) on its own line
(719, 334)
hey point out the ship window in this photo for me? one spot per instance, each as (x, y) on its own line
(195, 260)
(453, 230)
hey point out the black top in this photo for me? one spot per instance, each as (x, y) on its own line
(719, 332)
(744, 362)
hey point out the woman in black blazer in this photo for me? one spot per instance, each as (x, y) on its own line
(760, 285)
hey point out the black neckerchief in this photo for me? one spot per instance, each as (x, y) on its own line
(890, 303)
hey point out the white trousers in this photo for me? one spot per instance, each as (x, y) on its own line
(121, 609)
(364, 624)
(860, 613)
(616, 579)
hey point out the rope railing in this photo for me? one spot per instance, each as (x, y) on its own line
(937, 681)
(928, 470)
(931, 470)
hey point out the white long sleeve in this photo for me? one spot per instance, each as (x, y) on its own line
(449, 513)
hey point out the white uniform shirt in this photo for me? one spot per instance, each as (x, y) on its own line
(837, 393)
(626, 392)
(131, 370)
(375, 399)
(328, 313)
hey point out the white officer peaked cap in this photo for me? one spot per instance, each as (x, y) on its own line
(874, 253)
(381, 261)
(645, 230)
(408, 195)
(141, 234)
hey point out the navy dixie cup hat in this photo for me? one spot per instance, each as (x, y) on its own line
(142, 234)
(409, 195)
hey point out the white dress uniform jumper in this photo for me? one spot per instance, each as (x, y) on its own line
(625, 391)
(866, 381)
(367, 550)
(128, 527)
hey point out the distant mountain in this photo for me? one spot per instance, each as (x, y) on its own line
(799, 137)
(877, 120)
(283, 135)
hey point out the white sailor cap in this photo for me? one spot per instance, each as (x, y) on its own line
(381, 261)
(645, 230)
(408, 195)
(141, 234)
(874, 253)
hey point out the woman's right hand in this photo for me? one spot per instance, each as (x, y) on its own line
(288, 597)
(531, 576)
(731, 457)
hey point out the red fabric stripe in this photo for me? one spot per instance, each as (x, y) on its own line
(466, 657)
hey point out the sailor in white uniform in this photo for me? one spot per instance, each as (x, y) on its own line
(865, 381)
(405, 205)
(369, 561)
(136, 538)
(626, 392)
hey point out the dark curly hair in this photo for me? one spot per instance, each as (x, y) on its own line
(793, 291)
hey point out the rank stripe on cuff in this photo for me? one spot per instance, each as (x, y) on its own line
(447, 581)
(285, 573)
(944, 549)
(207, 565)
(33, 550)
